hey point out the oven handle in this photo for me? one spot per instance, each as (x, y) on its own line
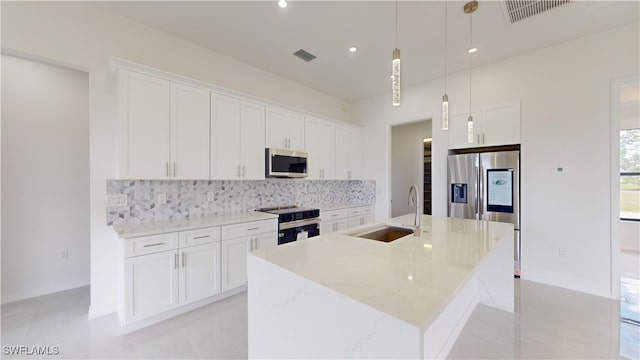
(293, 224)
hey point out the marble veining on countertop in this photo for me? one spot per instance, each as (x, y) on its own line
(410, 278)
(158, 227)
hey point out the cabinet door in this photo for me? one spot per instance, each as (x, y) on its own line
(327, 227)
(234, 262)
(355, 155)
(144, 125)
(367, 219)
(329, 152)
(225, 138)
(264, 241)
(151, 283)
(314, 144)
(275, 128)
(342, 225)
(294, 129)
(199, 272)
(189, 132)
(460, 133)
(252, 140)
(501, 124)
(342, 153)
(354, 221)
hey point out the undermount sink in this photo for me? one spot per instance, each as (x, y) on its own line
(385, 233)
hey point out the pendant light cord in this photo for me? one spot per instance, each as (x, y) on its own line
(470, 56)
(396, 24)
(445, 47)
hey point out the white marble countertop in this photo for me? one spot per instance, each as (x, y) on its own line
(336, 206)
(158, 227)
(411, 278)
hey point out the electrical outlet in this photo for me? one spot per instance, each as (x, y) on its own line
(64, 254)
(562, 252)
(116, 200)
(209, 195)
(560, 169)
(162, 198)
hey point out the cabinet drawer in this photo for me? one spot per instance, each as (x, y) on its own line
(248, 229)
(333, 215)
(150, 244)
(199, 236)
(366, 210)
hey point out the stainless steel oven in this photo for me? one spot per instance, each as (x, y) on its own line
(295, 223)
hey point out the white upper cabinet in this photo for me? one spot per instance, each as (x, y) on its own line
(285, 129)
(189, 132)
(501, 124)
(494, 125)
(237, 139)
(163, 128)
(320, 140)
(144, 127)
(348, 153)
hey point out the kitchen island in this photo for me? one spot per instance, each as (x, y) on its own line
(344, 296)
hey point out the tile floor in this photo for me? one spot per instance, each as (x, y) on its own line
(550, 323)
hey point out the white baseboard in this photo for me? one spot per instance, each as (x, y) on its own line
(31, 293)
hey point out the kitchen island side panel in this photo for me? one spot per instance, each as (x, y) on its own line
(293, 317)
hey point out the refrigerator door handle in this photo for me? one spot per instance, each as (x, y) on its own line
(476, 176)
(480, 192)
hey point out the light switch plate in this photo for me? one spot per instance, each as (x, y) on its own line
(117, 200)
(162, 198)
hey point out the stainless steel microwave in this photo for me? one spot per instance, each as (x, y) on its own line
(285, 163)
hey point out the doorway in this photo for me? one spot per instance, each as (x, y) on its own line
(45, 178)
(409, 143)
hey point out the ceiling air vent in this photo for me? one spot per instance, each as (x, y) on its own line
(304, 55)
(516, 10)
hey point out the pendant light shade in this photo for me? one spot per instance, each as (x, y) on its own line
(395, 77)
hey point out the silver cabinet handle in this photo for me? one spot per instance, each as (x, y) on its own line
(238, 171)
(184, 259)
(253, 228)
(483, 138)
(167, 168)
(478, 138)
(150, 245)
(285, 143)
(243, 172)
(201, 237)
(175, 260)
(174, 169)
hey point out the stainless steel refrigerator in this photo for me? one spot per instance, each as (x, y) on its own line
(486, 186)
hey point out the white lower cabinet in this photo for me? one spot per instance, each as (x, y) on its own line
(151, 284)
(342, 219)
(199, 272)
(237, 241)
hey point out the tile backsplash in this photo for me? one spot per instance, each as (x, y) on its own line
(188, 198)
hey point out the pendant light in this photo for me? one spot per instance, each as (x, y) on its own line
(445, 98)
(469, 8)
(395, 69)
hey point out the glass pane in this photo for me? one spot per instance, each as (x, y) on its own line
(630, 150)
(630, 197)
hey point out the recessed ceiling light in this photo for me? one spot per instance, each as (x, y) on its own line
(353, 49)
(282, 3)
(472, 50)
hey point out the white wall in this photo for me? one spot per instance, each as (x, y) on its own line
(565, 94)
(45, 160)
(407, 164)
(85, 36)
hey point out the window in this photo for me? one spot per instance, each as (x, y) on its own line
(630, 174)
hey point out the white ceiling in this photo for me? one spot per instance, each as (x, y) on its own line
(262, 34)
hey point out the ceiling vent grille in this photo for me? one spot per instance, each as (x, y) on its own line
(306, 56)
(516, 10)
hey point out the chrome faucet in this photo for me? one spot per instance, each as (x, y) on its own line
(414, 199)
